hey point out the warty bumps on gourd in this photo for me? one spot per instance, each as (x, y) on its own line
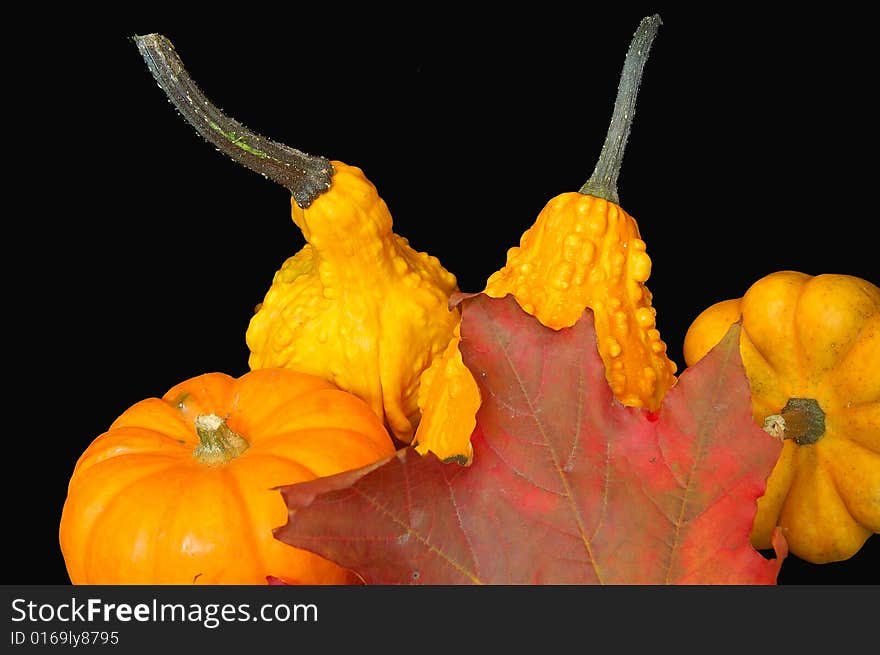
(356, 305)
(583, 251)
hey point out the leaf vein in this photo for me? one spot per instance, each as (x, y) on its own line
(579, 519)
(385, 511)
(702, 430)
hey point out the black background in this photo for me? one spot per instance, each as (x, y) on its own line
(135, 253)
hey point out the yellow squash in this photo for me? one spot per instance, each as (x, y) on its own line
(811, 350)
(584, 251)
(356, 305)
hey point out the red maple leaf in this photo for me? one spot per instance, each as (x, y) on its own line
(567, 485)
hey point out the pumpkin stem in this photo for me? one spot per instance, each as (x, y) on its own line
(603, 181)
(219, 444)
(306, 176)
(801, 420)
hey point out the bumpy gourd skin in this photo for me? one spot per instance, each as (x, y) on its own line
(581, 252)
(357, 305)
(811, 337)
(585, 252)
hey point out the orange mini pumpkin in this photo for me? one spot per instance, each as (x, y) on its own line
(180, 490)
(811, 349)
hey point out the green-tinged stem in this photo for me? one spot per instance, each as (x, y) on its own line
(306, 176)
(801, 420)
(603, 182)
(218, 443)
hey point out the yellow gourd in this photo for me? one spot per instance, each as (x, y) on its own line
(449, 399)
(356, 305)
(811, 350)
(584, 251)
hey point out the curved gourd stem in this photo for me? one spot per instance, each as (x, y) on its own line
(603, 182)
(306, 176)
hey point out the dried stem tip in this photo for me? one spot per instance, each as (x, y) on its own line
(306, 176)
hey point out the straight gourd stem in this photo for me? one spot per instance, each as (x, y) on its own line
(603, 182)
(306, 176)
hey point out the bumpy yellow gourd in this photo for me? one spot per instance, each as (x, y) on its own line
(357, 305)
(811, 349)
(583, 251)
